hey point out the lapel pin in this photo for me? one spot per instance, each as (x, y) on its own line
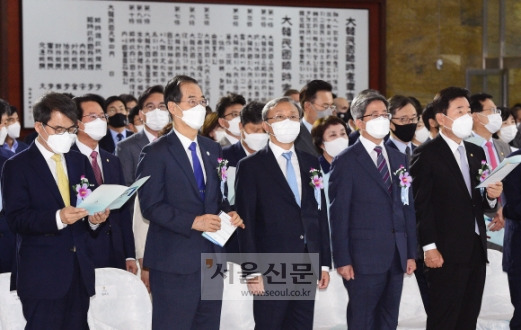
(108, 160)
(471, 155)
(208, 153)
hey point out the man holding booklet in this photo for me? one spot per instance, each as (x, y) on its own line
(182, 199)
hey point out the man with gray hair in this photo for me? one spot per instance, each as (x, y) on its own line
(373, 225)
(283, 214)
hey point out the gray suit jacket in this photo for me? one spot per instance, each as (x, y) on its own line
(304, 141)
(128, 152)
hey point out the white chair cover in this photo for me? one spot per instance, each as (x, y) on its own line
(121, 302)
(11, 316)
(412, 313)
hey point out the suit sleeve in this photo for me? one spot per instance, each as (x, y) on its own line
(325, 247)
(512, 192)
(340, 194)
(422, 183)
(245, 203)
(128, 163)
(410, 218)
(126, 220)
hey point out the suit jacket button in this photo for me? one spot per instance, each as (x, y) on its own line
(392, 231)
(301, 236)
(73, 249)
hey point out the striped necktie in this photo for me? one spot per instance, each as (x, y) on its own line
(381, 165)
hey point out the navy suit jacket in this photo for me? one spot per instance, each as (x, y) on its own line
(274, 221)
(512, 214)
(368, 224)
(113, 242)
(234, 153)
(107, 142)
(7, 239)
(44, 254)
(170, 199)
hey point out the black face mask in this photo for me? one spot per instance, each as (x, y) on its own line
(405, 132)
(343, 115)
(118, 120)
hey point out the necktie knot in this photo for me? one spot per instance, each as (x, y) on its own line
(119, 136)
(94, 154)
(488, 144)
(192, 146)
(287, 155)
(57, 158)
(378, 150)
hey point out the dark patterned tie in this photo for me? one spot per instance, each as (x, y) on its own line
(95, 167)
(198, 170)
(381, 165)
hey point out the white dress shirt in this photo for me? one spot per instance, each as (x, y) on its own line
(369, 147)
(186, 143)
(86, 150)
(149, 135)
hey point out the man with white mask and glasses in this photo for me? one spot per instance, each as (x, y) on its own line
(113, 243)
(13, 132)
(228, 109)
(316, 100)
(449, 212)
(373, 227)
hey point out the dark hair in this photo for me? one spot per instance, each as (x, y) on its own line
(227, 101)
(173, 88)
(475, 101)
(505, 113)
(146, 94)
(4, 108)
(110, 100)
(417, 105)
(428, 113)
(399, 101)
(133, 113)
(211, 121)
(127, 98)
(290, 92)
(441, 101)
(320, 126)
(12, 110)
(69, 95)
(252, 113)
(308, 93)
(363, 99)
(50, 102)
(165, 130)
(79, 100)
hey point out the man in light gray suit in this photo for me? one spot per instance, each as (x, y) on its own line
(316, 99)
(154, 114)
(487, 121)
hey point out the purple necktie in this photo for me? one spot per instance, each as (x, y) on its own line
(95, 167)
(381, 165)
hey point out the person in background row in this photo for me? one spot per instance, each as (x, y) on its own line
(429, 120)
(211, 128)
(294, 94)
(7, 237)
(228, 109)
(112, 245)
(404, 121)
(135, 123)
(129, 100)
(516, 113)
(342, 112)
(13, 133)
(316, 100)
(117, 131)
(54, 276)
(508, 130)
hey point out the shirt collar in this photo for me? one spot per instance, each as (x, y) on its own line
(115, 134)
(245, 150)
(184, 140)
(231, 138)
(481, 139)
(452, 144)
(306, 124)
(86, 150)
(399, 144)
(149, 135)
(45, 153)
(369, 145)
(278, 151)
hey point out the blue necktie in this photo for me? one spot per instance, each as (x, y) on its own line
(381, 165)
(290, 176)
(198, 170)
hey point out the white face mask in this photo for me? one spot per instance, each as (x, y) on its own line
(139, 128)
(333, 148)
(422, 134)
(60, 144)
(324, 113)
(507, 133)
(219, 134)
(96, 129)
(193, 117)
(378, 128)
(256, 141)
(462, 126)
(494, 123)
(3, 135)
(234, 126)
(286, 131)
(13, 130)
(157, 119)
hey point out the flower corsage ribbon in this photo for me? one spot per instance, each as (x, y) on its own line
(317, 182)
(222, 169)
(404, 180)
(82, 189)
(483, 174)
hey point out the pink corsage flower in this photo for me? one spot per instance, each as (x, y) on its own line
(222, 169)
(484, 171)
(82, 189)
(316, 179)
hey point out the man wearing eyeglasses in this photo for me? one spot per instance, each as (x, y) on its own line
(282, 215)
(112, 245)
(229, 109)
(373, 225)
(316, 99)
(54, 275)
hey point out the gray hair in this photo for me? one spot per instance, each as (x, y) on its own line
(273, 103)
(362, 100)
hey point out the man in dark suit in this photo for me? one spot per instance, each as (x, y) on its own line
(282, 214)
(316, 100)
(115, 108)
(512, 241)
(181, 200)
(372, 219)
(112, 245)
(13, 133)
(449, 212)
(228, 109)
(7, 237)
(54, 275)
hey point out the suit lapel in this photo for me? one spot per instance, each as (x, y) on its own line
(447, 156)
(305, 177)
(209, 167)
(180, 156)
(367, 164)
(41, 168)
(500, 151)
(272, 167)
(73, 167)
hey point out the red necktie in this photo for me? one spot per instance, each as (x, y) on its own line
(95, 167)
(491, 155)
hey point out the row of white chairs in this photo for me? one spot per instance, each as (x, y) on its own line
(122, 302)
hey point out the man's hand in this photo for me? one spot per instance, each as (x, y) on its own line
(346, 272)
(207, 222)
(145, 275)
(131, 266)
(99, 217)
(433, 258)
(494, 190)
(411, 266)
(236, 219)
(324, 280)
(71, 214)
(256, 285)
(498, 221)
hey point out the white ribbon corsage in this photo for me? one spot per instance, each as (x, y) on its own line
(222, 169)
(318, 184)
